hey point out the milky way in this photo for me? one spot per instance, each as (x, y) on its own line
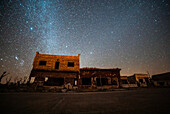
(133, 35)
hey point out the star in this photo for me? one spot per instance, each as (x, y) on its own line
(31, 28)
(16, 58)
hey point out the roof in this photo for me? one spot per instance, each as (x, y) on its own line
(140, 74)
(123, 77)
(163, 76)
(97, 69)
(49, 55)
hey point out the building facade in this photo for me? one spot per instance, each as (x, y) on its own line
(55, 70)
(64, 71)
(142, 80)
(124, 82)
(97, 78)
(161, 80)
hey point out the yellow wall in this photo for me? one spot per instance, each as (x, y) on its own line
(52, 59)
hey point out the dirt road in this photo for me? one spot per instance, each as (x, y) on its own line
(143, 100)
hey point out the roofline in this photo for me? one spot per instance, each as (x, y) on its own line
(99, 68)
(58, 55)
(161, 74)
(139, 74)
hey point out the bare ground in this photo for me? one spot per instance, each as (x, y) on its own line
(141, 100)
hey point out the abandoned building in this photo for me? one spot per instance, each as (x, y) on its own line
(97, 78)
(142, 80)
(55, 70)
(161, 80)
(124, 81)
(64, 71)
(127, 82)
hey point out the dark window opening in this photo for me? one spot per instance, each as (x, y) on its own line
(42, 62)
(141, 80)
(147, 81)
(132, 82)
(161, 83)
(55, 81)
(86, 81)
(70, 64)
(57, 65)
(102, 81)
(124, 82)
(114, 82)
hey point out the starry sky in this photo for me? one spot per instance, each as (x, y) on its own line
(133, 35)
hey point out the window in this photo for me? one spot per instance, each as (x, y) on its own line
(124, 82)
(57, 65)
(114, 82)
(86, 81)
(102, 81)
(141, 80)
(54, 81)
(42, 62)
(70, 64)
(132, 82)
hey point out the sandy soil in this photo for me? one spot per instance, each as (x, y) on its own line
(141, 100)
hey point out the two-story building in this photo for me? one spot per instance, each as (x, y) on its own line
(55, 70)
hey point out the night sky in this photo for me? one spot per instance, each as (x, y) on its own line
(133, 35)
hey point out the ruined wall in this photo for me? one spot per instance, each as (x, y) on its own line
(96, 74)
(99, 72)
(139, 79)
(141, 76)
(51, 62)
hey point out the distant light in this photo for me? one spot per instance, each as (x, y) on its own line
(16, 58)
(31, 28)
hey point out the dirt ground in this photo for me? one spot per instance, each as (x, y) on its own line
(141, 100)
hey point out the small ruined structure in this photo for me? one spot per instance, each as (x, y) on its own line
(55, 70)
(161, 80)
(97, 78)
(142, 80)
(64, 71)
(124, 82)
